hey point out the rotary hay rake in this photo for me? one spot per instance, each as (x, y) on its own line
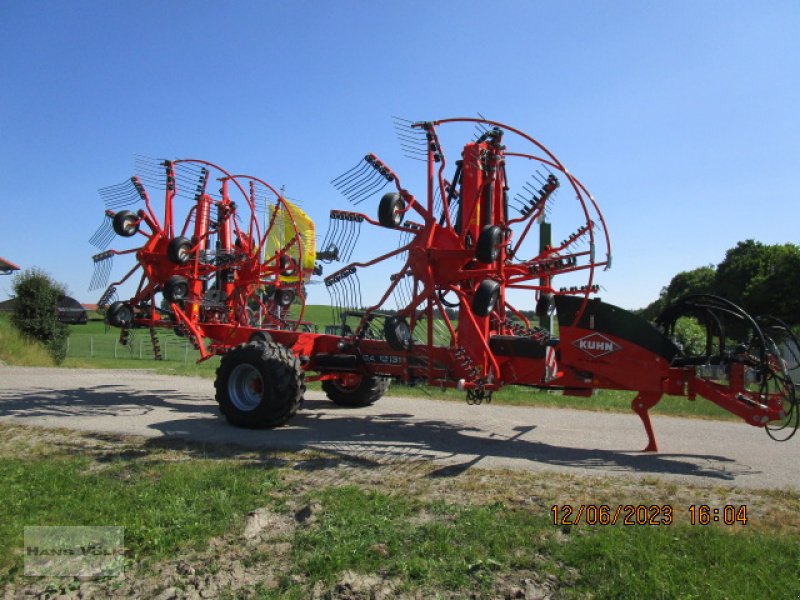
(240, 257)
(465, 265)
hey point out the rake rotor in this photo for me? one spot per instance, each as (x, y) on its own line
(239, 257)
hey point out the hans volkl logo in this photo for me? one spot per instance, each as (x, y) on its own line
(74, 551)
(596, 345)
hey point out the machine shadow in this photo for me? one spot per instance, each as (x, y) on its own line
(370, 439)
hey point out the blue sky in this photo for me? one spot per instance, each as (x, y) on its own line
(681, 117)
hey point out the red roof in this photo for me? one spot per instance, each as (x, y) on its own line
(7, 266)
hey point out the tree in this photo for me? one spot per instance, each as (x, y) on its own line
(696, 281)
(762, 279)
(37, 296)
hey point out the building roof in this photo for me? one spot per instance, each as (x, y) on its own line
(7, 267)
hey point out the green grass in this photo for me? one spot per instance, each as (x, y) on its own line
(16, 349)
(463, 547)
(174, 501)
(163, 506)
(682, 561)
(458, 548)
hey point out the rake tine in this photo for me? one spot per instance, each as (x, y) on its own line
(333, 225)
(412, 150)
(345, 240)
(103, 236)
(375, 188)
(541, 179)
(366, 188)
(354, 240)
(353, 179)
(420, 141)
(360, 165)
(364, 181)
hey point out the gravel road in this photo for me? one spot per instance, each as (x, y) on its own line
(455, 435)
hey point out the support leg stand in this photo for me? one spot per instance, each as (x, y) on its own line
(643, 402)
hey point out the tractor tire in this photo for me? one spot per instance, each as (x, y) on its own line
(176, 288)
(368, 391)
(119, 314)
(259, 385)
(179, 250)
(390, 210)
(487, 249)
(260, 337)
(485, 299)
(397, 333)
(125, 223)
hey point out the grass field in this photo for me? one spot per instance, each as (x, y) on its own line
(184, 507)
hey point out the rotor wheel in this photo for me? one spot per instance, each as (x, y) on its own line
(259, 385)
(397, 333)
(125, 223)
(368, 390)
(486, 296)
(487, 249)
(119, 314)
(179, 250)
(285, 297)
(390, 210)
(288, 265)
(176, 288)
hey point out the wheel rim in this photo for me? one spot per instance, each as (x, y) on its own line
(183, 254)
(129, 226)
(245, 387)
(347, 389)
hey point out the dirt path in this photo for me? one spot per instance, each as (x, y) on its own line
(454, 435)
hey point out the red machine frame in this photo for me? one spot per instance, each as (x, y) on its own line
(463, 243)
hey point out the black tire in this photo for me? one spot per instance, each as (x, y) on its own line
(487, 249)
(119, 314)
(390, 210)
(259, 385)
(485, 298)
(125, 223)
(397, 333)
(260, 337)
(179, 250)
(176, 288)
(545, 306)
(368, 391)
(288, 266)
(285, 297)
